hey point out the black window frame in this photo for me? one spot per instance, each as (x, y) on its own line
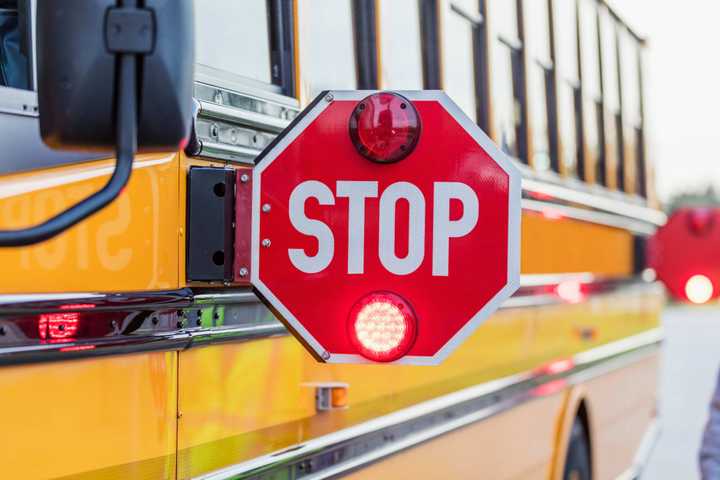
(281, 30)
(364, 13)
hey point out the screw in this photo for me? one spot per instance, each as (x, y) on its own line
(243, 272)
(214, 130)
(266, 208)
(244, 178)
(325, 355)
(329, 97)
(266, 243)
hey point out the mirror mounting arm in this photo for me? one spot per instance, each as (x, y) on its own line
(126, 129)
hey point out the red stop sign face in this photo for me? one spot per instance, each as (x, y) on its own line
(403, 259)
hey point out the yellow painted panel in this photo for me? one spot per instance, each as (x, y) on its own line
(515, 445)
(565, 245)
(130, 245)
(255, 397)
(113, 414)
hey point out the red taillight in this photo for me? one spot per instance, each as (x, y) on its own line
(382, 326)
(385, 127)
(58, 326)
(699, 289)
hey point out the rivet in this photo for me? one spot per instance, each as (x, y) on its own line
(244, 178)
(325, 355)
(266, 208)
(266, 243)
(329, 97)
(243, 272)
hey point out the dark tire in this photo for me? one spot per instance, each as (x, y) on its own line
(577, 462)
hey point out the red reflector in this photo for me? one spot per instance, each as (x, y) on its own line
(699, 289)
(385, 127)
(382, 326)
(58, 325)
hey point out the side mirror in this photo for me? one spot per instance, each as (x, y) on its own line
(111, 75)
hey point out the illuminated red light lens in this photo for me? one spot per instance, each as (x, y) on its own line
(385, 127)
(58, 326)
(699, 289)
(570, 291)
(382, 326)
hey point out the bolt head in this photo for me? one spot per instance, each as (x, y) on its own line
(325, 355)
(266, 243)
(266, 208)
(244, 178)
(329, 97)
(243, 272)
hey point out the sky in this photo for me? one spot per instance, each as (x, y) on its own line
(682, 71)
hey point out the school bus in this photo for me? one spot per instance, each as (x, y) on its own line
(125, 355)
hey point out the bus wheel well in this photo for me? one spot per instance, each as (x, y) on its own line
(582, 415)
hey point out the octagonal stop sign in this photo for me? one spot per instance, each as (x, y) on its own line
(385, 227)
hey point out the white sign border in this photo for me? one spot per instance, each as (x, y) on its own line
(514, 217)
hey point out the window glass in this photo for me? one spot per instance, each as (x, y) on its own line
(233, 36)
(589, 48)
(566, 39)
(537, 29)
(630, 78)
(14, 51)
(327, 48)
(506, 111)
(401, 50)
(567, 128)
(611, 94)
(458, 63)
(503, 17)
(538, 48)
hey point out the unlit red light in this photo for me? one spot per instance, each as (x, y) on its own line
(699, 289)
(382, 327)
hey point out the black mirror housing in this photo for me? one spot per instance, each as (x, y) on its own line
(78, 73)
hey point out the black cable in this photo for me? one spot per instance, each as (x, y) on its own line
(126, 137)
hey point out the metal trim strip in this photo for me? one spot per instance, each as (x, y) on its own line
(535, 291)
(502, 394)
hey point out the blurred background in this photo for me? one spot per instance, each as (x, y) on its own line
(682, 78)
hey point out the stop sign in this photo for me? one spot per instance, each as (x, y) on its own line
(684, 253)
(386, 233)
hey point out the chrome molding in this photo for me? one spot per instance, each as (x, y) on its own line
(354, 447)
(185, 318)
(642, 456)
(236, 126)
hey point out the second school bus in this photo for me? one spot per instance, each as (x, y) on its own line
(116, 362)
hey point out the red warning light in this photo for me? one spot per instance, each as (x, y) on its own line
(58, 326)
(570, 291)
(699, 289)
(385, 127)
(382, 326)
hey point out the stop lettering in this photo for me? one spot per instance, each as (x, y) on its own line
(385, 227)
(443, 227)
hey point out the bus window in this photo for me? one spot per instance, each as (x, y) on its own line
(14, 45)
(234, 37)
(611, 96)
(400, 45)
(631, 107)
(591, 91)
(540, 80)
(565, 30)
(506, 77)
(327, 48)
(460, 20)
